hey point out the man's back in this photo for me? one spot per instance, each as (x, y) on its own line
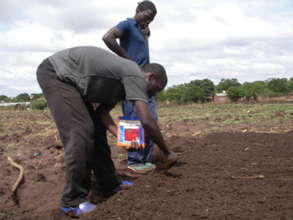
(99, 75)
(86, 61)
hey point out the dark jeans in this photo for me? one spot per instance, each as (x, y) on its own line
(83, 136)
(143, 155)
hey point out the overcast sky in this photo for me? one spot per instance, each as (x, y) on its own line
(194, 39)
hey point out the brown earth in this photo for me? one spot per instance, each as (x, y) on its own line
(235, 175)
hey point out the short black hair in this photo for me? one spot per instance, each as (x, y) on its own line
(158, 70)
(145, 5)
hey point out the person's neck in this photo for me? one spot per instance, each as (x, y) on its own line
(135, 17)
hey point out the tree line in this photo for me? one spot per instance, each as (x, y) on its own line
(22, 97)
(36, 100)
(200, 91)
(205, 90)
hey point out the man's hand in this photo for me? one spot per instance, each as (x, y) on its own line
(146, 32)
(134, 146)
(170, 160)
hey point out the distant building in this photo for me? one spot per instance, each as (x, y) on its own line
(14, 103)
(221, 98)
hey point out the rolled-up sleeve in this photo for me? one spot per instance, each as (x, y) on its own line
(123, 26)
(135, 88)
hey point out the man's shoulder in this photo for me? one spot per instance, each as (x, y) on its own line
(131, 68)
(131, 20)
(128, 22)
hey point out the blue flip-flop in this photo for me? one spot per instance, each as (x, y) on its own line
(123, 184)
(82, 208)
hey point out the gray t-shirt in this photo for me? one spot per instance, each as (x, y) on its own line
(99, 75)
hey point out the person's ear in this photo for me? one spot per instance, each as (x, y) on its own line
(151, 76)
(148, 76)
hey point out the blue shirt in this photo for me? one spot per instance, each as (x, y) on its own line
(133, 41)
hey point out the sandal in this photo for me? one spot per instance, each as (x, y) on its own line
(142, 168)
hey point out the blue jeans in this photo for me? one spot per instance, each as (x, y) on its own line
(143, 155)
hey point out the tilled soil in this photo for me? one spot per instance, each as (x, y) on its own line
(219, 176)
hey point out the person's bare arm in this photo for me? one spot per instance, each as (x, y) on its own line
(153, 131)
(110, 39)
(150, 125)
(106, 118)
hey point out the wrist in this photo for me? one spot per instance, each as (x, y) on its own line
(166, 152)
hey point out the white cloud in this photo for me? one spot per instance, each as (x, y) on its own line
(195, 39)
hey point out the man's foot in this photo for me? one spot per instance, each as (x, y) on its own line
(170, 160)
(82, 208)
(98, 197)
(125, 184)
(142, 168)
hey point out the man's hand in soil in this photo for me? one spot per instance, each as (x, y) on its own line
(170, 160)
(152, 129)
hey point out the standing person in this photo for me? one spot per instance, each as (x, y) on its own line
(71, 80)
(133, 35)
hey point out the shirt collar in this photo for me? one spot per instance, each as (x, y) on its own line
(132, 20)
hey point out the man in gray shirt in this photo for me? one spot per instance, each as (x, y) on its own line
(71, 80)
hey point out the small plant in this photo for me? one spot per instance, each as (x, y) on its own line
(39, 104)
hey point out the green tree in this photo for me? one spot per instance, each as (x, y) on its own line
(184, 93)
(279, 85)
(290, 85)
(192, 93)
(4, 98)
(207, 86)
(225, 84)
(35, 96)
(174, 93)
(38, 104)
(161, 96)
(254, 89)
(235, 93)
(23, 97)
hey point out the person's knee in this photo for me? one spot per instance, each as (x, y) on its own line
(81, 138)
